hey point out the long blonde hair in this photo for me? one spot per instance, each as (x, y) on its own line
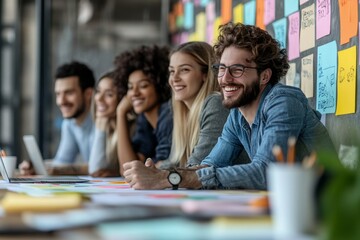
(187, 121)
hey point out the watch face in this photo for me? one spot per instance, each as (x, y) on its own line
(174, 178)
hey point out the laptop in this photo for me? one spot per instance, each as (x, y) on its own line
(39, 166)
(35, 155)
(49, 179)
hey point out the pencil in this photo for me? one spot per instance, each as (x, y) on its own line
(309, 162)
(278, 154)
(291, 150)
(3, 153)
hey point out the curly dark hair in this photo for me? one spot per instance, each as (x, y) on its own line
(153, 61)
(266, 51)
(77, 69)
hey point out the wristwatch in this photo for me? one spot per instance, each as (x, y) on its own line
(174, 179)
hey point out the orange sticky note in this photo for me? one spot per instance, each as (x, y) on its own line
(260, 11)
(226, 11)
(348, 10)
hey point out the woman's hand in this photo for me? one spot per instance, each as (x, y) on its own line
(124, 106)
(101, 123)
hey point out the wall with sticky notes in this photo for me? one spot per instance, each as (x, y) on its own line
(321, 37)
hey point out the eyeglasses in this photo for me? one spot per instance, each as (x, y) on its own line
(235, 70)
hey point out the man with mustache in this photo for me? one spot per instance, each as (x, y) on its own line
(74, 86)
(264, 113)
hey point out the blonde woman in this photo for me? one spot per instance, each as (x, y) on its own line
(198, 116)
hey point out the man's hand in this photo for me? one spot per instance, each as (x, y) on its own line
(145, 176)
(26, 168)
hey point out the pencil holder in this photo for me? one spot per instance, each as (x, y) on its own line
(292, 199)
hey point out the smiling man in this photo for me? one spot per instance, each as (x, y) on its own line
(263, 113)
(74, 86)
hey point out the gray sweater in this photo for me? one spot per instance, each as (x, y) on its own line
(212, 119)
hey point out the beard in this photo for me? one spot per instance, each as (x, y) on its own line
(79, 111)
(249, 94)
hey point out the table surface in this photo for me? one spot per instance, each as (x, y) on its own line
(189, 225)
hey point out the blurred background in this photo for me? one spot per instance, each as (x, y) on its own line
(39, 35)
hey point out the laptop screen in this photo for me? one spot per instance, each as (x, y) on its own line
(3, 170)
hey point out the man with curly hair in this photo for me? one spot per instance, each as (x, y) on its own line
(264, 113)
(143, 76)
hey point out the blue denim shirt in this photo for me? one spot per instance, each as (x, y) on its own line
(283, 112)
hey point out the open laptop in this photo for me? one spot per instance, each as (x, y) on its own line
(39, 166)
(49, 179)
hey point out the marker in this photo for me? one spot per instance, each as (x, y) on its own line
(3, 153)
(309, 162)
(291, 150)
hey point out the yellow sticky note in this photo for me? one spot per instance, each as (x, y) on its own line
(16, 202)
(201, 26)
(238, 13)
(216, 31)
(346, 83)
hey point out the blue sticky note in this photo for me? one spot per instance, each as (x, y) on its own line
(189, 15)
(250, 13)
(326, 78)
(204, 3)
(290, 6)
(280, 27)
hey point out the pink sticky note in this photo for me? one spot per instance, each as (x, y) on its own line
(294, 36)
(323, 16)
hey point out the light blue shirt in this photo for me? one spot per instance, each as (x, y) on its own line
(283, 112)
(75, 139)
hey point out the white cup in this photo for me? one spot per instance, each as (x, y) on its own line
(10, 164)
(292, 200)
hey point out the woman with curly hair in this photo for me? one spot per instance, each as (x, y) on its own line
(143, 75)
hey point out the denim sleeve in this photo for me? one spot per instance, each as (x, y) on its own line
(283, 117)
(227, 149)
(68, 148)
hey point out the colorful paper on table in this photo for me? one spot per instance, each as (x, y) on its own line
(346, 83)
(17, 203)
